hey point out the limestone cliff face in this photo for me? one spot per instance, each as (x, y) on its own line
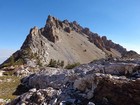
(102, 42)
(65, 41)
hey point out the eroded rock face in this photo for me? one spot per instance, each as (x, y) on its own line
(86, 31)
(120, 91)
(67, 29)
(131, 55)
(101, 83)
(103, 43)
(64, 41)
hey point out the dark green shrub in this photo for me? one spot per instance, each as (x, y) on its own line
(19, 62)
(56, 64)
(39, 63)
(12, 60)
(71, 66)
(52, 63)
(62, 63)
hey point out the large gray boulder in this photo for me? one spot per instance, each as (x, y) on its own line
(84, 85)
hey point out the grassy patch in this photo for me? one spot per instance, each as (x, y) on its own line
(9, 73)
(8, 85)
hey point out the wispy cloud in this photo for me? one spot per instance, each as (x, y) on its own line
(5, 53)
(2, 59)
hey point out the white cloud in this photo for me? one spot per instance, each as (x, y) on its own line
(2, 59)
(5, 53)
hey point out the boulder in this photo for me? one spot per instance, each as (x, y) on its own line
(67, 29)
(86, 31)
(100, 82)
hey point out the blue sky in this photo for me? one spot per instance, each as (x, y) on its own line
(119, 20)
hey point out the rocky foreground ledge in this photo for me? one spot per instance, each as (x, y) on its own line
(101, 82)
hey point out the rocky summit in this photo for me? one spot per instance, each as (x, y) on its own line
(64, 41)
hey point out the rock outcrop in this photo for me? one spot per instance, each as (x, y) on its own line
(131, 55)
(65, 41)
(102, 82)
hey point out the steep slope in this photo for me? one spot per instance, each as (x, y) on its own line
(63, 41)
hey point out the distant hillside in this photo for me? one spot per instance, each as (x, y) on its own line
(63, 41)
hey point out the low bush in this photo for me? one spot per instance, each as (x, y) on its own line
(71, 66)
(56, 64)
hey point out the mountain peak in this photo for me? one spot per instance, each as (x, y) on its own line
(51, 21)
(34, 30)
(65, 41)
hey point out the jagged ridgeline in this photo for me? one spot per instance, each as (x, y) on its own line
(63, 41)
